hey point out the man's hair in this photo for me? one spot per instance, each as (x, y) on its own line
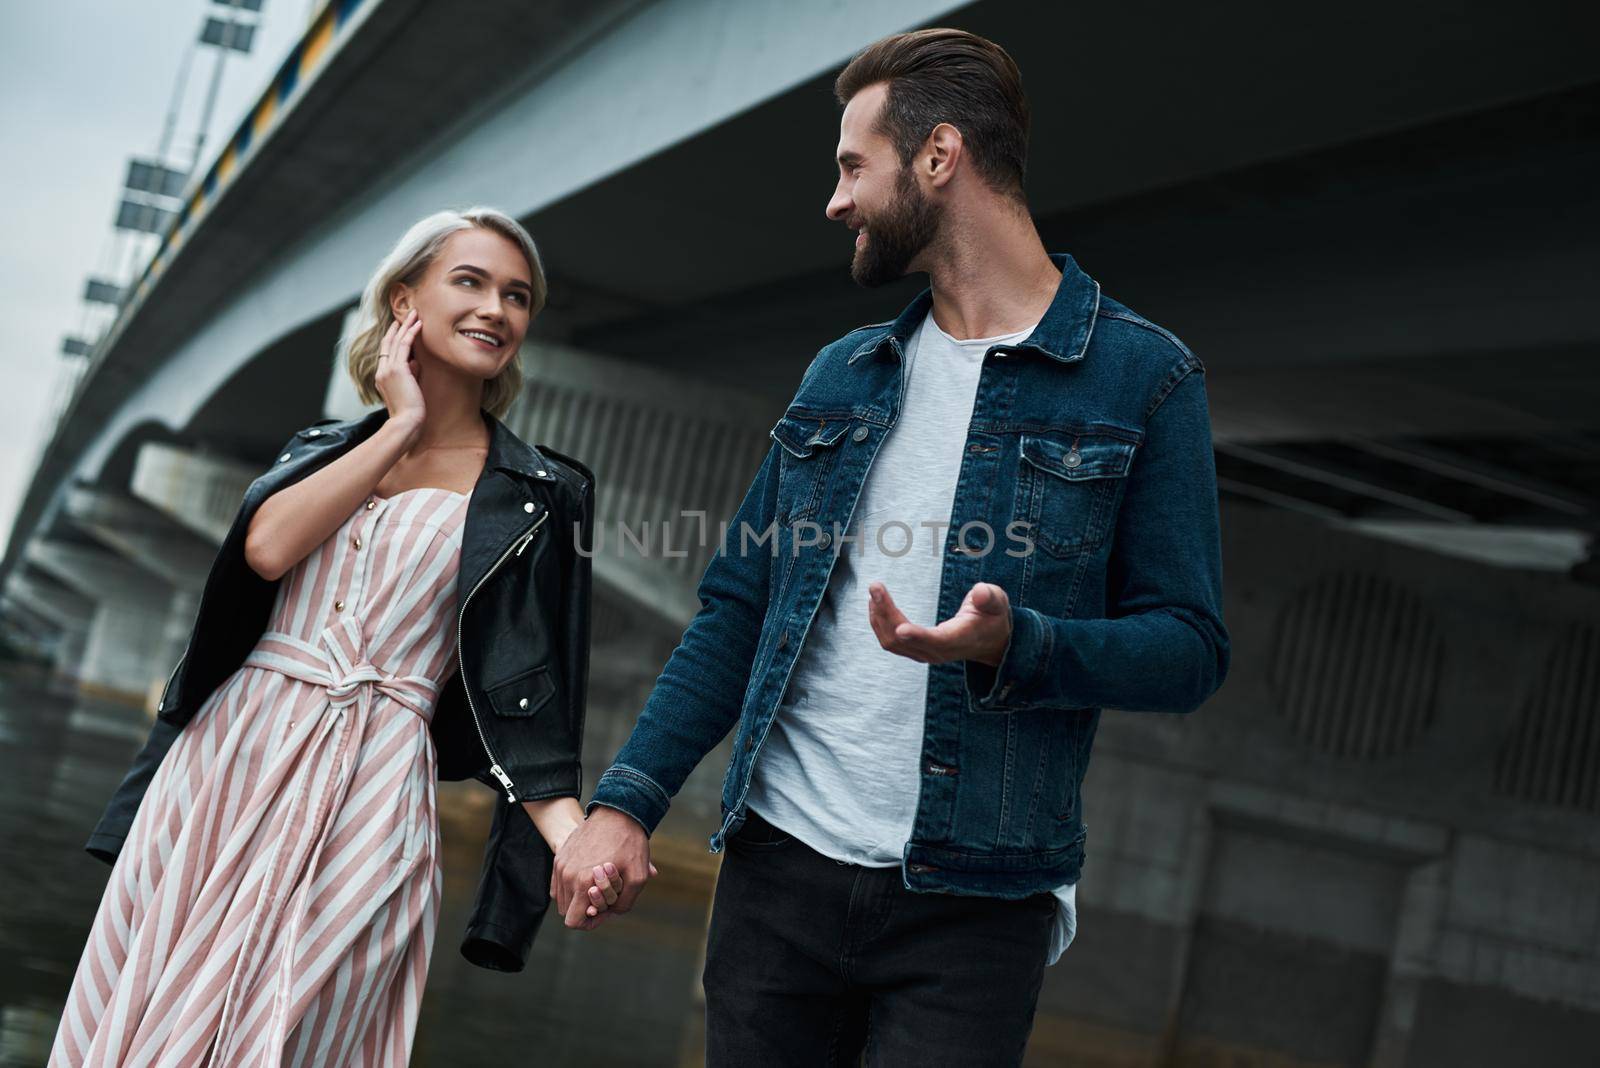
(945, 75)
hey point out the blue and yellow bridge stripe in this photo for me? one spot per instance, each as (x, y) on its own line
(297, 69)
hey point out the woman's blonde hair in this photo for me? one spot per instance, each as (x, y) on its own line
(406, 263)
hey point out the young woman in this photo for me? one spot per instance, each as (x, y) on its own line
(401, 598)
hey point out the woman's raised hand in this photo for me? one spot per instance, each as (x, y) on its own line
(396, 377)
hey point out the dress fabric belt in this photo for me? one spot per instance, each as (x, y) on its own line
(329, 737)
(338, 661)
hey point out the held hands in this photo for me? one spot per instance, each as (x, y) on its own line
(601, 868)
(980, 629)
(587, 886)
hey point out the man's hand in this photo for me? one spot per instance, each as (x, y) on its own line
(607, 835)
(980, 629)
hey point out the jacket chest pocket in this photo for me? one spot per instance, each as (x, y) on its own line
(809, 448)
(523, 694)
(1067, 486)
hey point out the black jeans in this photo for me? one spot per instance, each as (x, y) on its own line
(810, 961)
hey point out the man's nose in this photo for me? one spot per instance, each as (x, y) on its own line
(839, 206)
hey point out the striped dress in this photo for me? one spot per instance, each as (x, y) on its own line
(276, 899)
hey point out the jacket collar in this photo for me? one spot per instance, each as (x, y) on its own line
(507, 452)
(1062, 334)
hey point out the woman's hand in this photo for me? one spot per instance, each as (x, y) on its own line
(396, 377)
(604, 893)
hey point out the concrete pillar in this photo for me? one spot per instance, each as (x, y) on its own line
(199, 491)
(68, 660)
(142, 535)
(121, 644)
(122, 650)
(174, 638)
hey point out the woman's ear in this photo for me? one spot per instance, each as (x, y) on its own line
(400, 301)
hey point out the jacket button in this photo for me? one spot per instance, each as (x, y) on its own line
(783, 640)
(527, 506)
(1074, 458)
(860, 434)
(338, 606)
(372, 503)
(313, 433)
(1005, 690)
(749, 742)
(823, 540)
(356, 541)
(282, 458)
(522, 703)
(542, 472)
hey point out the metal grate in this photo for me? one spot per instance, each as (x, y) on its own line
(1552, 756)
(1356, 665)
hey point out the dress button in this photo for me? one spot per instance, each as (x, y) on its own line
(338, 606)
(860, 434)
(372, 502)
(527, 506)
(357, 541)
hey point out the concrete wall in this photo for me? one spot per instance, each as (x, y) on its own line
(1257, 892)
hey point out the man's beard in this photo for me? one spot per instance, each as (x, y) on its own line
(907, 227)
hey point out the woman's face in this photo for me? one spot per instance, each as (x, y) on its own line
(474, 301)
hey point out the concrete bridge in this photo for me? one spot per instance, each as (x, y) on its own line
(1377, 226)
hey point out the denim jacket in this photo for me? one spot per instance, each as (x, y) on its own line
(1088, 457)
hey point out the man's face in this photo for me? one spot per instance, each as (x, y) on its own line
(893, 217)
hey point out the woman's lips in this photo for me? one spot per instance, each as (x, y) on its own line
(481, 343)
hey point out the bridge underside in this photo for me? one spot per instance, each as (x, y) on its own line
(1376, 225)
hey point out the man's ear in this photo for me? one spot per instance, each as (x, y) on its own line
(942, 154)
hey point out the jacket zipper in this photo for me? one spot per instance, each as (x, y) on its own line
(494, 763)
(161, 704)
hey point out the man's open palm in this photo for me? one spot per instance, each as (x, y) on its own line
(978, 631)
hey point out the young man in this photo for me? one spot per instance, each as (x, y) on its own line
(991, 517)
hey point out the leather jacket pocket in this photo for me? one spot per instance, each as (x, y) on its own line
(1066, 487)
(523, 694)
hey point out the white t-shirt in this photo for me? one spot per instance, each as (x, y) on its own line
(839, 767)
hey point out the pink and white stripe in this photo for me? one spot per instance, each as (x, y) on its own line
(277, 896)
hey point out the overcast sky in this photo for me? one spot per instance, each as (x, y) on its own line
(84, 85)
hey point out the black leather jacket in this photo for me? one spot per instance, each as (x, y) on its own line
(511, 717)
